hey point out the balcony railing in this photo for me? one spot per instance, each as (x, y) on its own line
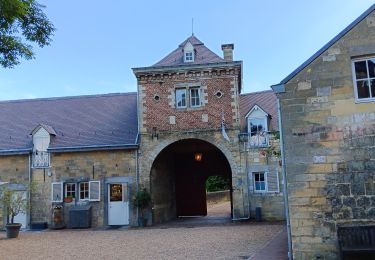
(259, 139)
(41, 159)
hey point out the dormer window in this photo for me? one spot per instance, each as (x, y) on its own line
(41, 141)
(257, 125)
(188, 56)
(188, 52)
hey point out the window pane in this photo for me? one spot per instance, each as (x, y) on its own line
(194, 96)
(371, 67)
(256, 175)
(363, 89)
(262, 185)
(256, 125)
(257, 186)
(373, 88)
(360, 69)
(262, 177)
(180, 97)
(84, 190)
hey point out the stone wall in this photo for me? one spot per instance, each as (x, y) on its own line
(329, 147)
(266, 159)
(13, 169)
(96, 165)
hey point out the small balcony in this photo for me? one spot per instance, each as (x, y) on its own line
(41, 159)
(259, 139)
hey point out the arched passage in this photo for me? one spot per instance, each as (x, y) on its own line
(178, 178)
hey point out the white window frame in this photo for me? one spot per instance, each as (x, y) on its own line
(189, 56)
(265, 119)
(66, 189)
(177, 90)
(265, 182)
(88, 190)
(191, 96)
(368, 79)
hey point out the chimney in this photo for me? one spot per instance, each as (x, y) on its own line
(228, 51)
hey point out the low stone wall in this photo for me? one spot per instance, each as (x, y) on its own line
(272, 206)
(218, 196)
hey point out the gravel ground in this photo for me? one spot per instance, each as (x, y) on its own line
(229, 241)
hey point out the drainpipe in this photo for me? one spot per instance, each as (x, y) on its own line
(137, 175)
(281, 89)
(29, 193)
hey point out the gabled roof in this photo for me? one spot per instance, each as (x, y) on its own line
(203, 55)
(256, 107)
(48, 128)
(80, 123)
(266, 100)
(329, 44)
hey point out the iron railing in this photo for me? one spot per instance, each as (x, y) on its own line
(41, 159)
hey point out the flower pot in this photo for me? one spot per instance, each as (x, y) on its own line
(13, 230)
(68, 200)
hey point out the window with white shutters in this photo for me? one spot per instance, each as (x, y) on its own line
(263, 181)
(272, 181)
(94, 190)
(57, 191)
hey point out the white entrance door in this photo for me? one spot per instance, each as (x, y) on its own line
(21, 217)
(118, 204)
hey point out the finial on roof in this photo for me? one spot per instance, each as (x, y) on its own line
(192, 26)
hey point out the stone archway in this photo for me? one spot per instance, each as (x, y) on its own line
(177, 179)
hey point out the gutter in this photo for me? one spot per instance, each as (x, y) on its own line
(92, 148)
(15, 151)
(278, 89)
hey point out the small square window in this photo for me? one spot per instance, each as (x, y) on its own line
(84, 191)
(189, 56)
(180, 98)
(364, 79)
(259, 181)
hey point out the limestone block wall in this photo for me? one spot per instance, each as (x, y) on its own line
(329, 147)
(13, 169)
(96, 165)
(266, 159)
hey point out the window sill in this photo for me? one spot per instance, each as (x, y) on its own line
(367, 100)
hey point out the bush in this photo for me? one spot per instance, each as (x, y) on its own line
(217, 183)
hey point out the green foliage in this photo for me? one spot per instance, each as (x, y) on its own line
(217, 183)
(13, 201)
(22, 22)
(142, 200)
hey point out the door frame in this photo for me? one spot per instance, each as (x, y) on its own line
(110, 180)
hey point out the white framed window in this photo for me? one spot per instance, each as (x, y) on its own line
(260, 181)
(195, 100)
(181, 98)
(70, 190)
(364, 79)
(258, 131)
(83, 190)
(264, 180)
(189, 57)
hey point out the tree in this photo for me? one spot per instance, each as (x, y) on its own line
(22, 22)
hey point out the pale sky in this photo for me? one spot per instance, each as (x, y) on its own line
(98, 42)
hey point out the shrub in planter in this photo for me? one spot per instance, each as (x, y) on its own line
(13, 202)
(142, 200)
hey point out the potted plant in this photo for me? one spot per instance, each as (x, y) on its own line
(142, 200)
(13, 202)
(68, 199)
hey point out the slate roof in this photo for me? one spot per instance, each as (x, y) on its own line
(329, 44)
(266, 100)
(82, 122)
(203, 55)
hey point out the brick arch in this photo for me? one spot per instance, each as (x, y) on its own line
(160, 147)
